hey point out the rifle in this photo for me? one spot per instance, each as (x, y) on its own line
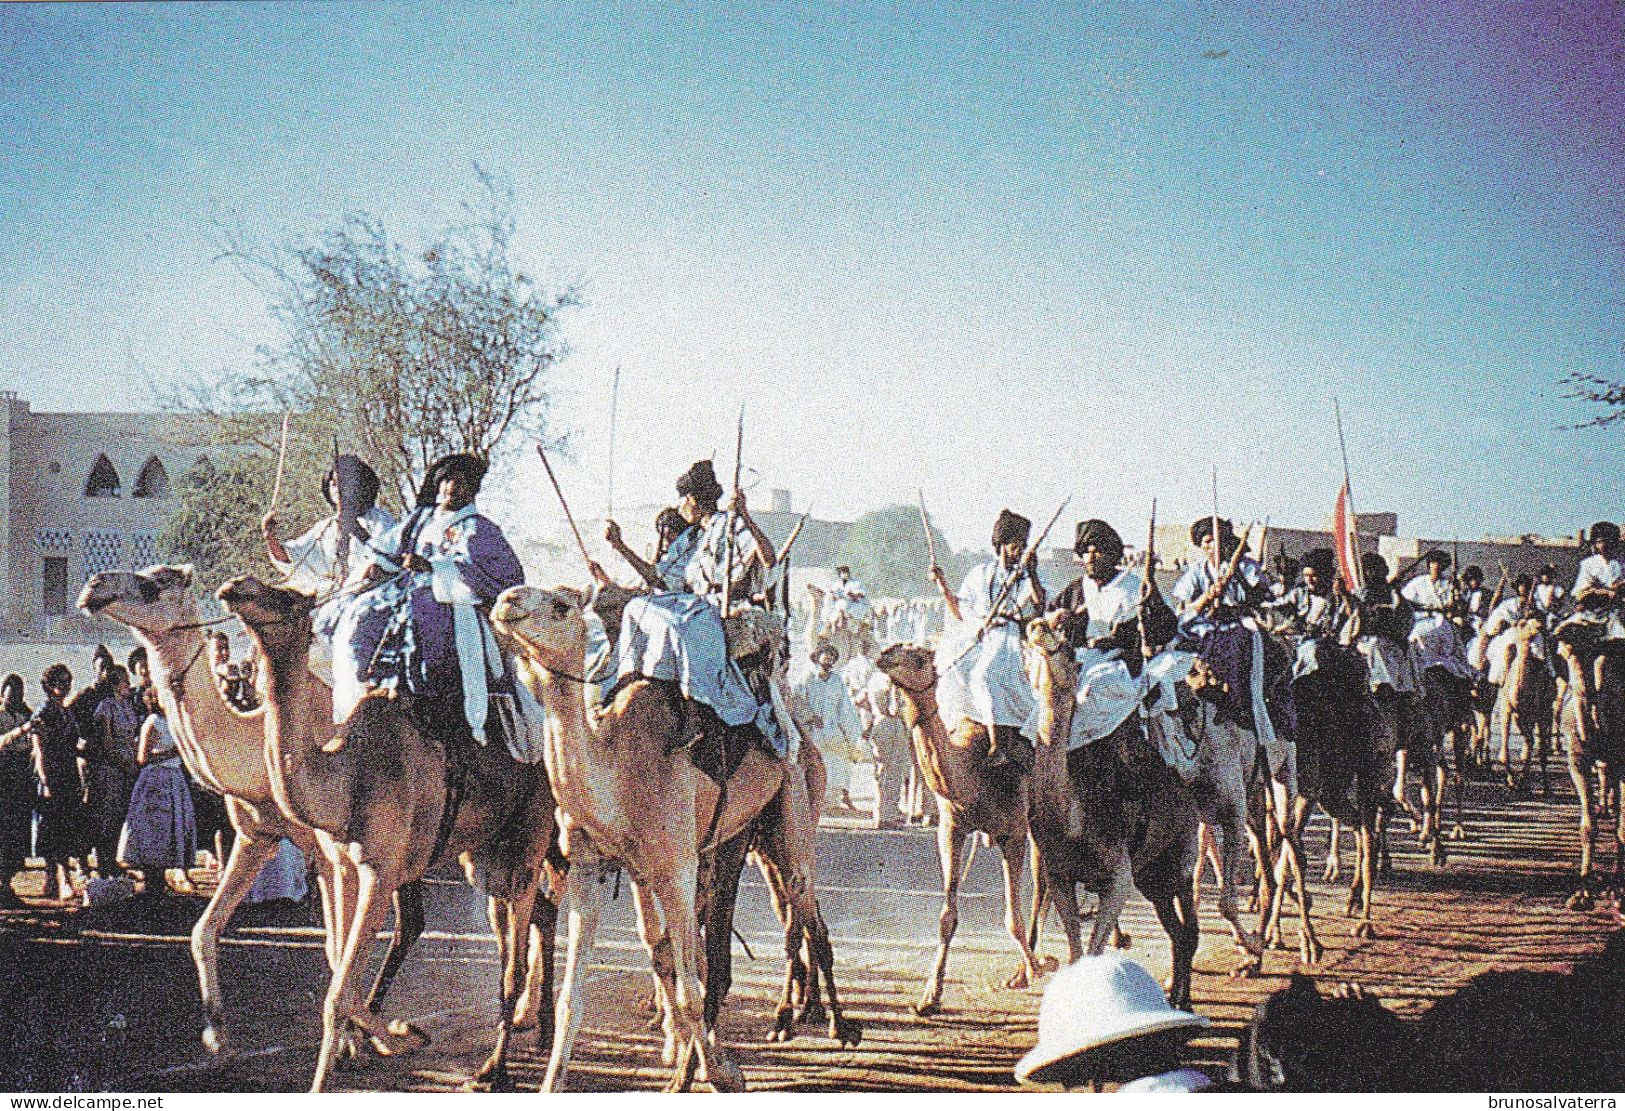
(1146, 586)
(1223, 580)
(728, 532)
(281, 458)
(925, 523)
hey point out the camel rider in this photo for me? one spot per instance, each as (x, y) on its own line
(1550, 595)
(333, 553)
(1492, 648)
(1218, 622)
(1595, 631)
(1100, 614)
(1435, 641)
(985, 681)
(1309, 612)
(675, 539)
(1379, 628)
(423, 626)
(676, 633)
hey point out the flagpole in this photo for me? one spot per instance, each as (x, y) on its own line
(1348, 490)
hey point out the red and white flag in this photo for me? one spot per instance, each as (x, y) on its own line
(1346, 540)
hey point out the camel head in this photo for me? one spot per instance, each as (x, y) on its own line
(912, 668)
(277, 617)
(546, 625)
(1049, 658)
(151, 601)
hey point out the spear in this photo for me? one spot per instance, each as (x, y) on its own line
(568, 516)
(281, 458)
(614, 404)
(728, 533)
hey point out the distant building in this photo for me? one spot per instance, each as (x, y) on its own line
(82, 493)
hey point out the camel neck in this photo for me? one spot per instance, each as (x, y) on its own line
(290, 741)
(945, 765)
(568, 732)
(1057, 693)
(223, 749)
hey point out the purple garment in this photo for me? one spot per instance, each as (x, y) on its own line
(1228, 652)
(425, 653)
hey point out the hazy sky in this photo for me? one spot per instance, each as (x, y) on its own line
(1006, 253)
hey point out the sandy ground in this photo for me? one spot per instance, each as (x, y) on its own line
(105, 999)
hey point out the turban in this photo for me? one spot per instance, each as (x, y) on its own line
(1373, 568)
(1474, 572)
(357, 482)
(462, 464)
(1322, 560)
(1439, 556)
(1606, 531)
(1095, 533)
(1010, 528)
(700, 482)
(1203, 527)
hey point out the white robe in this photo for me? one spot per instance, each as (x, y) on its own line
(838, 732)
(1434, 639)
(984, 680)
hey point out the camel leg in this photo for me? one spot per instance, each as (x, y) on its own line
(248, 855)
(1178, 917)
(510, 922)
(1013, 853)
(1334, 853)
(1112, 902)
(408, 903)
(675, 895)
(655, 932)
(1230, 866)
(535, 1007)
(1506, 747)
(586, 904)
(1294, 813)
(950, 846)
(341, 1005)
(727, 864)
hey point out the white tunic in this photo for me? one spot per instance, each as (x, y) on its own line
(985, 681)
(1434, 640)
(312, 562)
(1107, 693)
(1601, 571)
(833, 725)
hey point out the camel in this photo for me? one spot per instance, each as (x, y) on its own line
(1086, 830)
(971, 798)
(224, 749)
(1347, 739)
(1527, 694)
(1596, 760)
(1442, 719)
(630, 797)
(386, 800)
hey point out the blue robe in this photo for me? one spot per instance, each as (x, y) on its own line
(428, 630)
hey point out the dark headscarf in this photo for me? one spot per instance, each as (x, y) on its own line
(1322, 560)
(1603, 530)
(1009, 528)
(1203, 527)
(1474, 573)
(1095, 533)
(700, 482)
(469, 466)
(1373, 569)
(1437, 555)
(357, 482)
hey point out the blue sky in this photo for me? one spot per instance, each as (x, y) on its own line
(1006, 253)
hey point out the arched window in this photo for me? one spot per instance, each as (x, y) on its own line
(153, 481)
(104, 481)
